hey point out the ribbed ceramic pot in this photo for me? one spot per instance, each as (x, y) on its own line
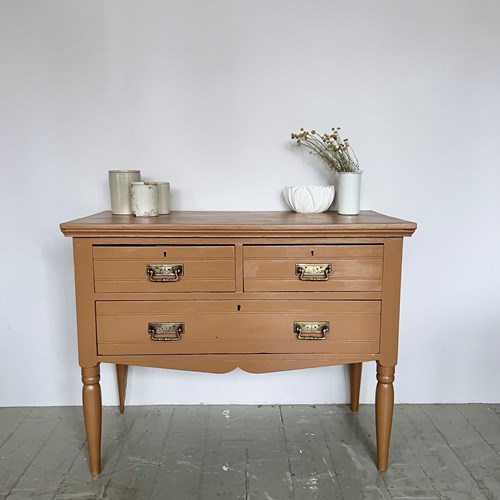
(309, 199)
(349, 193)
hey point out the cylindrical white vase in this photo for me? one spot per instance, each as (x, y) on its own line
(163, 197)
(144, 198)
(119, 189)
(348, 193)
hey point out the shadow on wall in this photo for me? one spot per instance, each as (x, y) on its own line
(60, 297)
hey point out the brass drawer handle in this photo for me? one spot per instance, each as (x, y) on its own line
(164, 272)
(313, 272)
(316, 330)
(165, 331)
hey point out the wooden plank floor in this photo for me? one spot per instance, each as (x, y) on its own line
(252, 452)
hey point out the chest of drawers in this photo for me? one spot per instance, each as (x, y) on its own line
(262, 291)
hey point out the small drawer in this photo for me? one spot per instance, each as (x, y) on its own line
(221, 327)
(164, 269)
(324, 268)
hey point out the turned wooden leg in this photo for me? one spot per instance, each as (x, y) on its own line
(92, 414)
(355, 376)
(121, 375)
(384, 407)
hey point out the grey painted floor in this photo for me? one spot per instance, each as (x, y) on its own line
(250, 452)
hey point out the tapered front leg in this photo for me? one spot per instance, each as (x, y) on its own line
(92, 414)
(121, 375)
(384, 408)
(355, 380)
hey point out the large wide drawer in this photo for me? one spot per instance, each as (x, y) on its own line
(321, 268)
(164, 269)
(129, 327)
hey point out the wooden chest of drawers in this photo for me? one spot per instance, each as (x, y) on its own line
(212, 291)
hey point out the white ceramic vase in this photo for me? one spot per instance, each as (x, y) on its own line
(348, 193)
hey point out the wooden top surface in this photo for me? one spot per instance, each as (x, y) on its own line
(367, 223)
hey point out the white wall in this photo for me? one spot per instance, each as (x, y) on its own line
(205, 95)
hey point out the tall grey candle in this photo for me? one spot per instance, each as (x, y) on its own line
(119, 188)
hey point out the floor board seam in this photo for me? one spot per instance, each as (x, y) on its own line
(56, 491)
(490, 445)
(17, 427)
(247, 481)
(106, 486)
(419, 464)
(282, 427)
(33, 458)
(454, 452)
(167, 433)
(331, 457)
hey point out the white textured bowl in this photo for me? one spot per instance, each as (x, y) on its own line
(309, 199)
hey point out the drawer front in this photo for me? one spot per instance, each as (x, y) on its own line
(128, 327)
(164, 269)
(324, 268)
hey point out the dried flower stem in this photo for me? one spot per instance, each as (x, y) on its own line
(335, 151)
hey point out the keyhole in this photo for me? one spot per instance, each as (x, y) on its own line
(164, 254)
(238, 307)
(312, 253)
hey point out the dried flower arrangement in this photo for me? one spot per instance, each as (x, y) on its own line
(335, 151)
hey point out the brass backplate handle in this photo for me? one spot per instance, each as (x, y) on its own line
(165, 331)
(313, 272)
(164, 272)
(311, 330)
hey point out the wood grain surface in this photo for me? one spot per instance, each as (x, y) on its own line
(239, 223)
